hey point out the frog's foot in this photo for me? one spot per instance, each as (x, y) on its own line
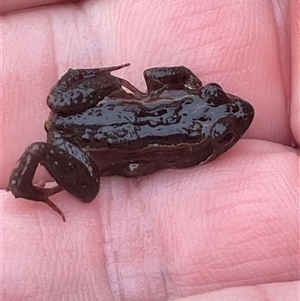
(55, 208)
(35, 193)
(20, 182)
(132, 88)
(79, 176)
(47, 192)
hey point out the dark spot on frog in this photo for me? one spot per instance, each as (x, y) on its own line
(96, 128)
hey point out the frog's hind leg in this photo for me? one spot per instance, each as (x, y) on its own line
(131, 88)
(70, 173)
(79, 89)
(20, 182)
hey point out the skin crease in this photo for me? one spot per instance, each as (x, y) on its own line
(225, 230)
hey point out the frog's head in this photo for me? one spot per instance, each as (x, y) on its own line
(219, 120)
(233, 116)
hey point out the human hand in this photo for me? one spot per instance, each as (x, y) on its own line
(231, 224)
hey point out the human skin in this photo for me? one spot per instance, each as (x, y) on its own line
(228, 229)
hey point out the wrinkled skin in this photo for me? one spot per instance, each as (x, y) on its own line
(228, 228)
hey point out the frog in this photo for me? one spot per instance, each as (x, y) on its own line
(102, 125)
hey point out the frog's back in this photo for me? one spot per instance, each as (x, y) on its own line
(127, 125)
(134, 125)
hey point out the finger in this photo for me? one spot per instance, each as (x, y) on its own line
(273, 291)
(175, 233)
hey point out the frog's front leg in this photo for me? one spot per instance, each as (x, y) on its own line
(80, 89)
(75, 173)
(171, 78)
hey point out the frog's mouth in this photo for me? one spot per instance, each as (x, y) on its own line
(244, 114)
(244, 119)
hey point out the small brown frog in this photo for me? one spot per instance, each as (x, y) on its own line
(97, 128)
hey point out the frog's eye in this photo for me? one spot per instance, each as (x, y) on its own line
(227, 139)
(233, 108)
(213, 93)
(213, 90)
(187, 100)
